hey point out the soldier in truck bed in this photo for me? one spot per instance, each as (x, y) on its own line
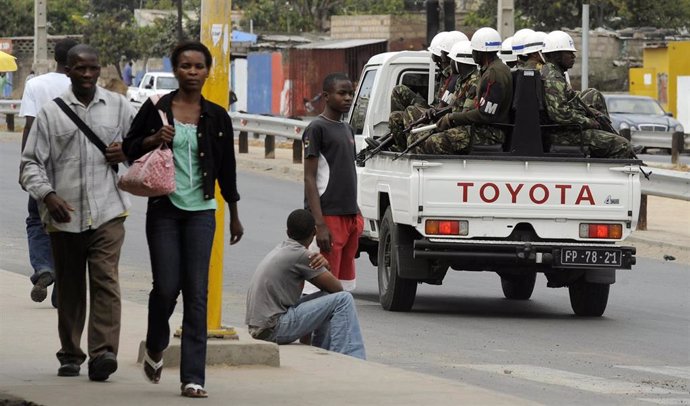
(408, 106)
(458, 131)
(563, 108)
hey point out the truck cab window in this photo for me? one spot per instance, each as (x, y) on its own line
(359, 110)
(417, 81)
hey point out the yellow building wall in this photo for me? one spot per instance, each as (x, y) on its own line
(643, 82)
(665, 63)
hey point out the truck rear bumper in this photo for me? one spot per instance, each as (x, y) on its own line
(553, 255)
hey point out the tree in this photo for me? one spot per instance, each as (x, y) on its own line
(114, 35)
(547, 15)
(308, 15)
(16, 18)
(66, 16)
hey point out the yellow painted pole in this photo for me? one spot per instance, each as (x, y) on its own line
(216, 33)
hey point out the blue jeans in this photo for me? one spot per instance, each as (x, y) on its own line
(40, 254)
(333, 320)
(180, 244)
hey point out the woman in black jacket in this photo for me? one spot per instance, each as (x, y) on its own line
(180, 226)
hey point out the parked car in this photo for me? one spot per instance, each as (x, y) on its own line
(644, 117)
(159, 83)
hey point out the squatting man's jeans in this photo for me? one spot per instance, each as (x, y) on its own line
(332, 318)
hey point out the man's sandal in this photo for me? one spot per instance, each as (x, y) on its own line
(152, 369)
(193, 390)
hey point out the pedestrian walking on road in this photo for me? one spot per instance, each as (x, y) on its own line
(127, 74)
(330, 180)
(275, 311)
(180, 226)
(37, 92)
(76, 186)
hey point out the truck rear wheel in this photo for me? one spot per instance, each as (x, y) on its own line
(518, 287)
(395, 293)
(587, 298)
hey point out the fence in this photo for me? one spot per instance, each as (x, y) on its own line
(9, 108)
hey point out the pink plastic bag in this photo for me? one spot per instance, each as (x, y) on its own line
(154, 173)
(151, 175)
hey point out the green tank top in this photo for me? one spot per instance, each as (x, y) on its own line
(188, 194)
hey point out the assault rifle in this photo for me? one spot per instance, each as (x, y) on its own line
(387, 139)
(603, 121)
(430, 128)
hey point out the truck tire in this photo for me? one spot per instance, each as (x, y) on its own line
(588, 299)
(518, 287)
(395, 293)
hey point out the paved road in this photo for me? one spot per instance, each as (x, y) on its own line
(463, 330)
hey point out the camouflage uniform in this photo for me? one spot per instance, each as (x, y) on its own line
(466, 92)
(494, 92)
(563, 109)
(408, 106)
(594, 99)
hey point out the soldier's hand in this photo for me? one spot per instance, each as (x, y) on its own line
(444, 123)
(430, 115)
(594, 125)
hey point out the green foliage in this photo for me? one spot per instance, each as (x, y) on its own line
(66, 16)
(306, 15)
(114, 35)
(100, 6)
(547, 15)
(16, 18)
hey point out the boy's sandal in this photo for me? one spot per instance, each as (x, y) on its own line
(193, 390)
(152, 369)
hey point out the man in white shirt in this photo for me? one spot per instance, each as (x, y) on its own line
(38, 91)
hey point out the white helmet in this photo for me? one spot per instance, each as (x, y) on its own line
(434, 47)
(506, 53)
(486, 39)
(558, 41)
(462, 53)
(451, 38)
(535, 42)
(520, 39)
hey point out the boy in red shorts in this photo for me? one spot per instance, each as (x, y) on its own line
(330, 180)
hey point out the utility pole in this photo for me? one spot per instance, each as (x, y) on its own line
(506, 18)
(432, 19)
(449, 15)
(215, 34)
(584, 82)
(40, 37)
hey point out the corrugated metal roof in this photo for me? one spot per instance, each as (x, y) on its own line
(340, 43)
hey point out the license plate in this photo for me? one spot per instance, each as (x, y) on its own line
(591, 257)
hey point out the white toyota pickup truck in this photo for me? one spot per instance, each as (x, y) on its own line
(518, 210)
(159, 83)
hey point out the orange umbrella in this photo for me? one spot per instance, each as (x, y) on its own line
(8, 62)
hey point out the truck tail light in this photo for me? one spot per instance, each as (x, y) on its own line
(446, 227)
(606, 231)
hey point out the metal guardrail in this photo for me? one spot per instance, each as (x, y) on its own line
(10, 108)
(666, 183)
(657, 139)
(268, 125)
